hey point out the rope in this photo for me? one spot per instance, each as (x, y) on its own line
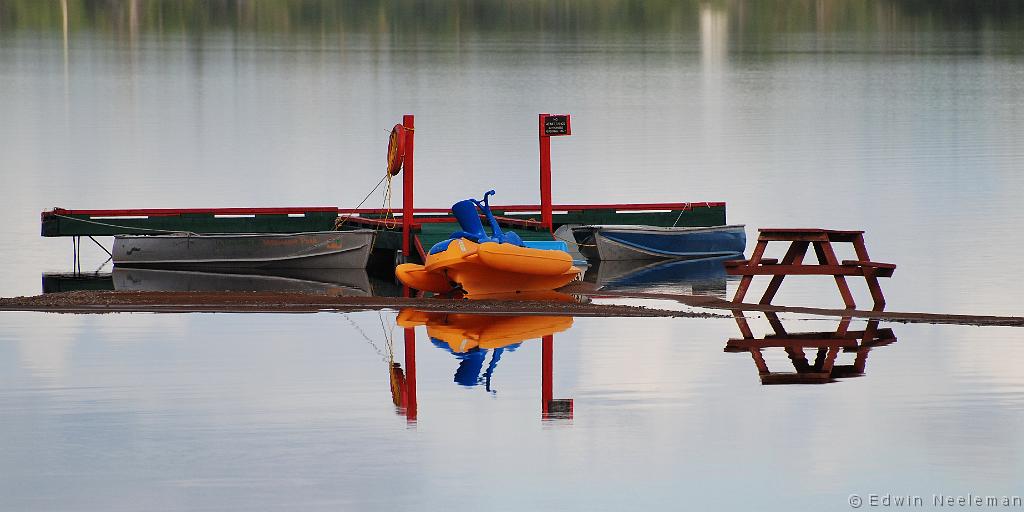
(688, 207)
(342, 220)
(386, 202)
(389, 337)
(383, 357)
(387, 199)
(573, 242)
(683, 209)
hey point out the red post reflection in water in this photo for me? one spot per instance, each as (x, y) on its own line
(551, 408)
(547, 370)
(410, 374)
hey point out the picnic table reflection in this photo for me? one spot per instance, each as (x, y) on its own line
(825, 345)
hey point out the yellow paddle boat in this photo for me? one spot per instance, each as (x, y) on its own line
(477, 264)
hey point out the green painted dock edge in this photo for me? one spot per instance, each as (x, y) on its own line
(84, 225)
(698, 216)
(388, 240)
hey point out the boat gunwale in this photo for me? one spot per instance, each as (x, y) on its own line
(186, 234)
(658, 229)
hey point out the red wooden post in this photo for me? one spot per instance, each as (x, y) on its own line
(545, 174)
(410, 372)
(408, 122)
(547, 370)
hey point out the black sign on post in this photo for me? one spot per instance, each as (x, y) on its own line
(557, 125)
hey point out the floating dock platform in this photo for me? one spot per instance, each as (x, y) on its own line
(429, 225)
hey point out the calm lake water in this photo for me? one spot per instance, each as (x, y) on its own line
(903, 119)
(226, 411)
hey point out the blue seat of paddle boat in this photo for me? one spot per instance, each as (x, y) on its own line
(472, 229)
(465, 212)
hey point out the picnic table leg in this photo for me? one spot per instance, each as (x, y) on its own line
(870, 332)
(762, 367)
(798, 358)
(861, 360)
(875, 289)
(844, 325)
(830, 360)
(755, 259)
(741, 322)
(773, 319)
(819, 359)
(860, 249)
(869, 273)
(824, 250)
(794, 256)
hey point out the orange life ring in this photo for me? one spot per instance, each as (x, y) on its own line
(396, 149)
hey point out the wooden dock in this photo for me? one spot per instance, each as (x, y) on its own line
(429, 225)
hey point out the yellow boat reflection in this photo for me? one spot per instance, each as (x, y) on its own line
(464, 332)
(471, 337)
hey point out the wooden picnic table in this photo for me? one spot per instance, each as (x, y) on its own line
(793, 263)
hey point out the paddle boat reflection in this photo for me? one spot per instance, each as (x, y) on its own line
(471, 338)
(825, 346)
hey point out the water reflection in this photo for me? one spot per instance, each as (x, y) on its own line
(476, 340)
(698, 277)
(55, 282)
(331, 282)
(825, 346)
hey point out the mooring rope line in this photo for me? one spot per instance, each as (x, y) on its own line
(688, 206)
(387, 358)
(579, 244)
(342, 220)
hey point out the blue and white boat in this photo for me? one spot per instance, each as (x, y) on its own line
(613, 242)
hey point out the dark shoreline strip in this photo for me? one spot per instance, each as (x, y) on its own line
(269, 302)
(709, 302)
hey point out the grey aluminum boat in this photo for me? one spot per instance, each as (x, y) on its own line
(321, 249)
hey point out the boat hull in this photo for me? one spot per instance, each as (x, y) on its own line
(489, 268)
(610, 243)
(321, 249)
